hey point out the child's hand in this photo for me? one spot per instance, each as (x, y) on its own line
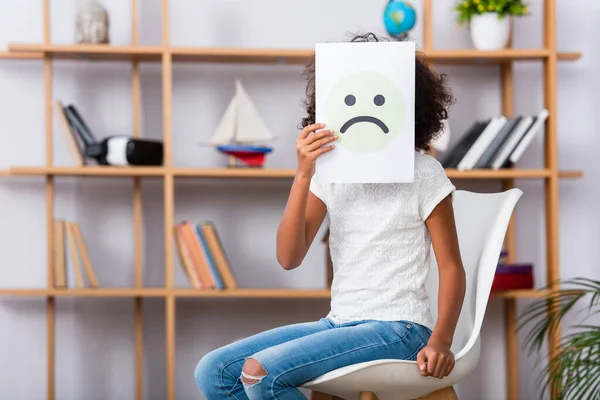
(311, 145)
(435, 359)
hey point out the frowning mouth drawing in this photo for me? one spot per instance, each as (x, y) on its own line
(364, 118)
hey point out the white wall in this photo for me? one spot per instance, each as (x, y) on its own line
(95, 337)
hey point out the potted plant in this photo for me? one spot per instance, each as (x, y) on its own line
(573, 369)
(490, 21)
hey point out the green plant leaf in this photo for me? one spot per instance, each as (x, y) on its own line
(466, 9)
(574, 371)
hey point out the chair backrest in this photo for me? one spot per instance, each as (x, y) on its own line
(481, 222)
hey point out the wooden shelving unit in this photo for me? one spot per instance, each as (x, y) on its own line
(165, 54)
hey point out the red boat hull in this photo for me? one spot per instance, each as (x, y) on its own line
(249, 158)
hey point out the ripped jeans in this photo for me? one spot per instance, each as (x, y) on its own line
(294, 354)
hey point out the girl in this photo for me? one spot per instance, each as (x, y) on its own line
(380, 238)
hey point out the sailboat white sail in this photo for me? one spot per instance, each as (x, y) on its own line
(241, 123)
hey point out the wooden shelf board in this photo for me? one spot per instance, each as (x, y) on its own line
(88, 171)
(90, 51)
(569, 56)
(234, 173)
(570, 174)
(256, 293)
(521, 294)
(87, 292)
(249, 55)
(24, 292)
(242, 55)
(508, 173)
(177, 292)
(265, 173)
(490, 56)
(233, 294)
(15, 55)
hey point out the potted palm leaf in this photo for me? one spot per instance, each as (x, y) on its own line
(573, 369)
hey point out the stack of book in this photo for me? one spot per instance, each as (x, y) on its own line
(202, 256)
(494, 143)
(67, 235)
(512, 276)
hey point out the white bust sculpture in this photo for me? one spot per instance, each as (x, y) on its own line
(92, 23)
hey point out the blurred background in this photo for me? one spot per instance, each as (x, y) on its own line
(94, 336)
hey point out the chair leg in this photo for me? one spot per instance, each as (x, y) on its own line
(320, 396)
(442, 394)
(367, 396)
(323, 396)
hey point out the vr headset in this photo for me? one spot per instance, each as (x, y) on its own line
(114, 150)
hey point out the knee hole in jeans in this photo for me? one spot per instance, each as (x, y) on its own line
(252, 372)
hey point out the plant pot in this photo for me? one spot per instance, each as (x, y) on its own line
(489, 32)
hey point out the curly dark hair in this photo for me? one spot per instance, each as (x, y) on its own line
(432, 96)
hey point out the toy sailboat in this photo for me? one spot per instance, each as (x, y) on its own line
(241, 133)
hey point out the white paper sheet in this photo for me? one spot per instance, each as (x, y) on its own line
(365, 92)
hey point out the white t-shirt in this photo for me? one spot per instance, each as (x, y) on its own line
(380, 245)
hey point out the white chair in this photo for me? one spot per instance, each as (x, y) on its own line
(481, 222)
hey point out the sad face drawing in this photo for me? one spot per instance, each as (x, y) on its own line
(366, 110)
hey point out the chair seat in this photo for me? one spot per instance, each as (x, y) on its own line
(390, 379)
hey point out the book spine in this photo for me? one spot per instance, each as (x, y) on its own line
(524, 143)
(481, 144)
(218, 252)
(210, 262)
(512, 282)
(514, 138)
(514, 269)
(185, 258)
(85, 259)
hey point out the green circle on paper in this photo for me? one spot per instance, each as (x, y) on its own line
(366, 110)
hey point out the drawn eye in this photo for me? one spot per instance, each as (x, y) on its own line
(379, 100)
(350, 100)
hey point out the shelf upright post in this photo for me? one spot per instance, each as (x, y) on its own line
(510, 306)
(551, 185)
(167, 78)
(427, 25)
(137, 213)
(50, 300)
(428, 37)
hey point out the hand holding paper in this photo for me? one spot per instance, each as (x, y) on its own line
(310, 145)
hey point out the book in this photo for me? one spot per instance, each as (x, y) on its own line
(73, 255)
(202, 256)
(60, 261)
(482, 142)
(210, 262)
(485, 160)
(531, 132)
(216, 248)
(198, 259)
(458, 151)
(82, 251)
(503, 282)
(185, 259)
(495, 143)
(512, 276)
(514, 268)
(75, 148)
(500, 159)
(69, 253)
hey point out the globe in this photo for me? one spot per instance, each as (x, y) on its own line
(399, 17)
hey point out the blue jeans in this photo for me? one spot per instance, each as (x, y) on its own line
(294, 354)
